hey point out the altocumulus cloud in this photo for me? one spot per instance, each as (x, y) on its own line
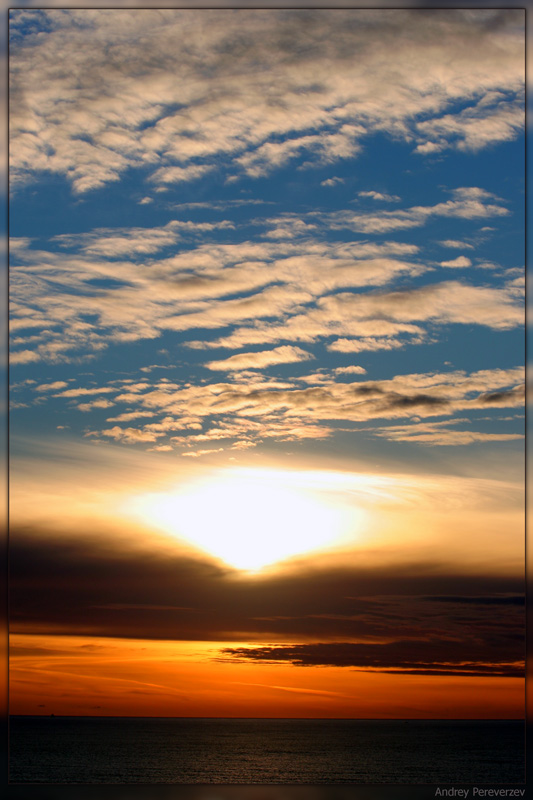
(252, 406)
(285, 354)
(227, 99)
(238, 86)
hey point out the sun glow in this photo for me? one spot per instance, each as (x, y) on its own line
(251, 518)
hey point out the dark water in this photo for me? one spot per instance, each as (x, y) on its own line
(251, 751)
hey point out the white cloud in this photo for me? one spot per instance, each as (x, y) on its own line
(276, 154)
(468, 203)
(447, 302)
(282, 290)
(225, 99)
(440, 434)
(127, 435)
(119, 242)
(199, 453)
(48, 387)
(389, 314)
(288, 227)
(455, 243)
(332, 181)
(365, 343)
(23, 357)
(166, 175)
(430, 147)
(81, 391)
(248, 408)
(389, 198)
(80, 110)
(285, 354)
(474, 128)
(154, 366)
(130, 300)
(460, 261)
(107, 242)
(95, 404)
(353, 370)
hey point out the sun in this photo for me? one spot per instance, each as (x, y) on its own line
(249, 518)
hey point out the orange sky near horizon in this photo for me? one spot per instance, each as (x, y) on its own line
(117, 614)
(96, 676)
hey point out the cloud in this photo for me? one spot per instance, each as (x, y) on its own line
(49, 387)
(112, 243)
(447, 302)
(457, 244)
(238, 103)
(353, 370)
(118, 242)
(246, 433)
(188, 108)
(82, 391)
(86, 301)
(127, 435)
(430, 147)
(408, 616)
(496, 399)
(327, 147)
(389, 198)
(440, 434)
(332, 181)
(166, 175)
(253, 408)
(151, 367)
(460, 261)
(468, 203)
(384, 314)
(23, 357)
(287, 226)
(95, 404)
(515, 600)
(474, 128)
(285, 354)
(276, 154)
(366, 343)
(435, 657)
(199, 453)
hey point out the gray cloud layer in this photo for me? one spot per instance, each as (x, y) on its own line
(423, 618)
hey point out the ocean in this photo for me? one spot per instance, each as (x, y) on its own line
(131, 750)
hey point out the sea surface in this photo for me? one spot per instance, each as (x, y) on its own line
(129, 750)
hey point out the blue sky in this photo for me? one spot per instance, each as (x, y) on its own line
(267, 209)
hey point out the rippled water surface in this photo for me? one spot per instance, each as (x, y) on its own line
(246, 751)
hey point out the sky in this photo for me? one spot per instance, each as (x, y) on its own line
(267, 362)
